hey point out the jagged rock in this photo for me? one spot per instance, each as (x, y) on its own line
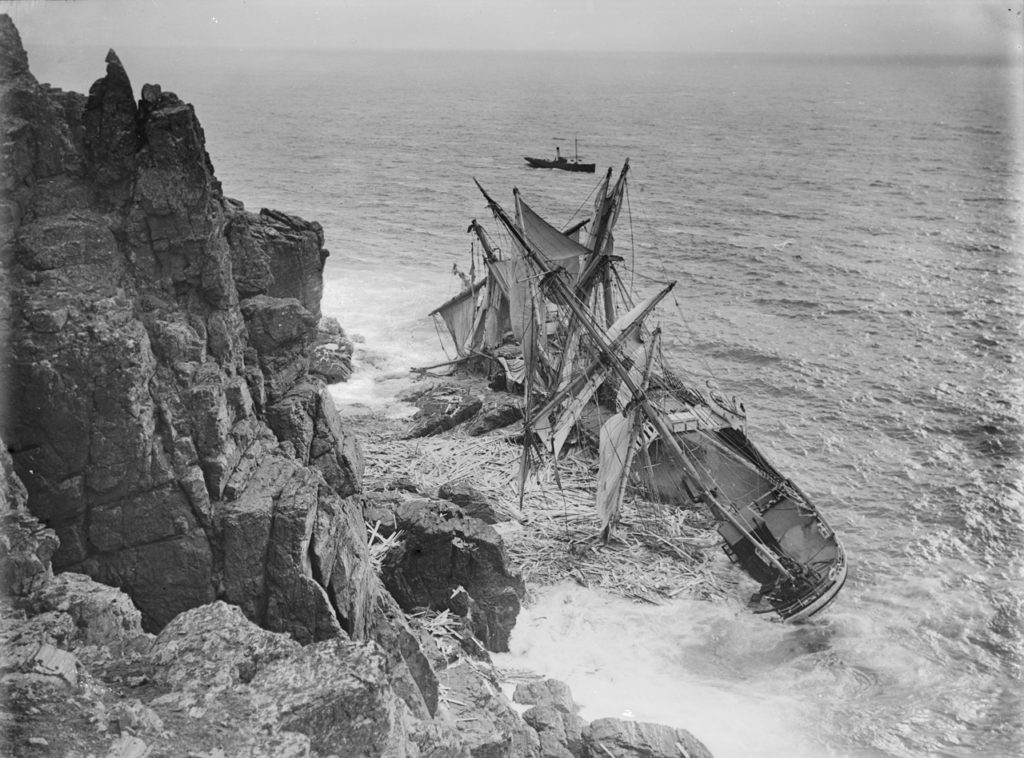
(441, 407)
(553, 716)
(546, 692)
(102, 615)
(332, 352)
(314, 579)
(637, 739)
(214, 647)
(411, 674)
(472, 502)
(495, 414)
(337, 694)
(138, 387)
(281, 332)
(488, 724)
(441, 550)
(277, 254)
(26, 547)
(560, 733)
(307, 418)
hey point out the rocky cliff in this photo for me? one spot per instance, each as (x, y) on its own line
(161, 410)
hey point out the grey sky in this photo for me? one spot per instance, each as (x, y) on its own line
(977, 27)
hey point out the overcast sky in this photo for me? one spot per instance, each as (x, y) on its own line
(977, 27)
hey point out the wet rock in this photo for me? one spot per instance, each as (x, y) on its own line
(440, 408)
(634, 739)
(441, 550)
(560, 733)
(495, 414)
(472, 502)
(546, 692)
(332, 352)
(487, 723)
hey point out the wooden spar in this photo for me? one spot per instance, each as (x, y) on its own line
(479, 230)
(656, 419)
(597, 363)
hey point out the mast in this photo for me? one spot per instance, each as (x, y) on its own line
(657, 420)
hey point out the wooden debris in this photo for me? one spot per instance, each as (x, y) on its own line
(656, 552)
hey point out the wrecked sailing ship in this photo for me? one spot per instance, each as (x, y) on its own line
(554, 314)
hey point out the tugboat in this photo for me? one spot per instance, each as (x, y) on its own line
(563, 163)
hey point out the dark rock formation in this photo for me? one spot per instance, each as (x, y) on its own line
(472, 502)
(441, 550)
(155, 328)
(332, 352)
(441, 407)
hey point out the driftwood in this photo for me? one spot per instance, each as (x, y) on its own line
(656, 552)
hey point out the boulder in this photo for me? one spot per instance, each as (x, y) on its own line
(495, 414)
(553, 716)
(637, 739)
(472, 502)
(560, 733)
(441, 407)
(488, 724)
(442, 550)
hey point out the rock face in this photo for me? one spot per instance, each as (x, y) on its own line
(155, 328)
(442, 557)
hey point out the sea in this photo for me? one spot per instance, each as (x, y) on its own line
(846, 234)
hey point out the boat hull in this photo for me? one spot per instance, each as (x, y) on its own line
(562, 164)
(767, 514)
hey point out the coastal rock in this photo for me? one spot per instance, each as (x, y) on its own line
(553, 716)
(307, 418)
(560, 733)
(214, 647)
(102, 615)
(26, 546)
(488, 724)
(280, 333)
(295, 556)
(138, 381)
(496, 413)
(440, 408)
(636, 739)
(277, 254)
(442, 550)
(549, 693)
(332, 352)
(472, 502)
